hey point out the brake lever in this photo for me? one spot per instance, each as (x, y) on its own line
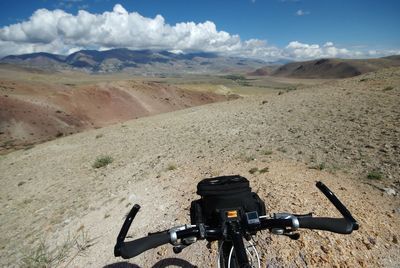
(293, 236)
(289, 232)
(339, 205)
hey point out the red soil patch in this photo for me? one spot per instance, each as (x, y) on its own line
(37, 112)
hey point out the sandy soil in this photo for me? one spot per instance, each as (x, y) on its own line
(337, 132)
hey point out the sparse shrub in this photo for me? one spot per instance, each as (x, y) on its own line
(240, 79)
(249, 158)
(320, 166)
(171, 167)
(267, 152)
(98, 136)
(264, 170)
(43, 256)
(245, 158)
(375, 175)
(28, 147)
(387, 88)
(235, 77)
(244, 83)
(83, 242)
(102, 161)
(282, 149)
(253, 170)
(8, 143)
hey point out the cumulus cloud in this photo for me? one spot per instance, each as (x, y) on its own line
(301, 12)
(299, 50)
(118, 28)
(60, 32)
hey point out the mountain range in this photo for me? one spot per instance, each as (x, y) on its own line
(137, 61)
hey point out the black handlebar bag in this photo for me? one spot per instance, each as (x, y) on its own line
(220, 194)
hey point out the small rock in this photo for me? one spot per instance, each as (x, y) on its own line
(390, 191)
(21, 183)
(162, 252)
(372, 240)
(395, 240)
(132, 198)
(325, 249)
(369, 243)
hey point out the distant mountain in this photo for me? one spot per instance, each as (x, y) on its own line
(137, 61)
(35, 59)
(334, 68)
(263, 71)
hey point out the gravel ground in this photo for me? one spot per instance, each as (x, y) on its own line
(338, 132)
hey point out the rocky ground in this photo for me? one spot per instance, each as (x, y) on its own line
(345, 133)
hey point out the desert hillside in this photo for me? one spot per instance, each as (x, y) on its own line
(330, 68)
(54, 203)
(35, 106)
(266, 70)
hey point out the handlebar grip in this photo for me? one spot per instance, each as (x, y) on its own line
(133, 248)
(341, 226)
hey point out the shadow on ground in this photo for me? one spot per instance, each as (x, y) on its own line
(175, 262)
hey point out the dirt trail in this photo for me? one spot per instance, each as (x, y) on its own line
(337, 133)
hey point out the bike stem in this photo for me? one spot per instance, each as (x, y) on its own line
(235, 234)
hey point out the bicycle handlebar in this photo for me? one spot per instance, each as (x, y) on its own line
(340, 226)
(285, 225)
(133, 248)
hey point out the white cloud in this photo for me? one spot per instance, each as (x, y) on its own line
(60, 32)
(300, 51)
(301, 12)
(120, 9)
(328, 44)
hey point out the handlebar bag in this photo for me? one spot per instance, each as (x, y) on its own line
(220, 194)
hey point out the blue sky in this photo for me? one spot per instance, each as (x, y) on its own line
(355, 28)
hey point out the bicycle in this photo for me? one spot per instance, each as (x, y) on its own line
(230, 213)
